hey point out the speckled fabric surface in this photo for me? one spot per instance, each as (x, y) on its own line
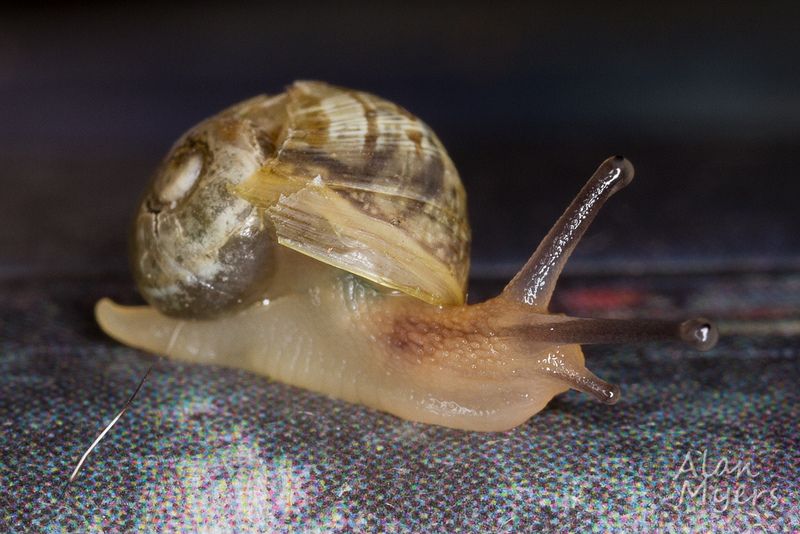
(208, 449)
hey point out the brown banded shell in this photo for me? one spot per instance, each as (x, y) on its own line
(339, 175)
(360, 183)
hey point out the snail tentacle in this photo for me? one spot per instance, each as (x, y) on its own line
(535, 282)
(698, 333)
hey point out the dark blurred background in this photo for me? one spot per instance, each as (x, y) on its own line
(704, 99)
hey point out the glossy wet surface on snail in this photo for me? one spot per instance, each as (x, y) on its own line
(320, 237)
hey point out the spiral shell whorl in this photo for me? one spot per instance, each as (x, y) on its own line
(198, 249)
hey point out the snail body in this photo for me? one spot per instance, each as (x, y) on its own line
(320, 237)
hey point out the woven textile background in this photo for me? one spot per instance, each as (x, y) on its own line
(205, 448)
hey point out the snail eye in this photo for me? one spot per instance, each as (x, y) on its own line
(180, 176)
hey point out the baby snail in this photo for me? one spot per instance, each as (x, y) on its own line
(320, 237)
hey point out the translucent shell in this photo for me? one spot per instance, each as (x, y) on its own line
(359, 183)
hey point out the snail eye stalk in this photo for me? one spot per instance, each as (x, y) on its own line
(699, 333)
(535, 282)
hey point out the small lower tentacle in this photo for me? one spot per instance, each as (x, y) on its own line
(577, 376)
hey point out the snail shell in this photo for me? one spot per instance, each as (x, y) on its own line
(320, 237)
(342, 176)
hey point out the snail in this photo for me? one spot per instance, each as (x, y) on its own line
(320, 237)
